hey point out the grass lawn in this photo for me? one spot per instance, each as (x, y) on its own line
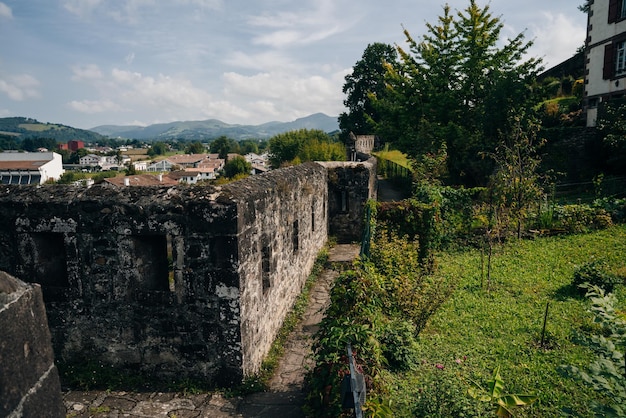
(395, 156)
(476, 330)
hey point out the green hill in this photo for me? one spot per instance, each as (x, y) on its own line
(20, 128)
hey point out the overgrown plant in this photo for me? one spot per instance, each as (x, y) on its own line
(515, 182)
(607, 373)
(378, 307)
(594, 273)
(494, 394)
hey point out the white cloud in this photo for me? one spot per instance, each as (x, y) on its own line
(304, 27)
(284, 95)
(204, 4)
(556, 38)
(130, 58)
(5, 11)
(81, 7)
(265, 61)
(94, 106)
(20, 87)
(86, 72)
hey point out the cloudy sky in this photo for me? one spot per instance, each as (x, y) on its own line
(86, 63)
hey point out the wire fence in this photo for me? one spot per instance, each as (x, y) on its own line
(400, 175)
(588, 191)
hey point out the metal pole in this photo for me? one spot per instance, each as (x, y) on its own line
(358, 413)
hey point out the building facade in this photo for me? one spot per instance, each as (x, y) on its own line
(30, 167)
(605, 63)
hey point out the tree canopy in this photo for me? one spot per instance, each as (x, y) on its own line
(367, 78)
(304, 145)
(237, 166)
(452, 93)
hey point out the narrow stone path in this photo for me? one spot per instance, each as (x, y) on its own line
(284, 399)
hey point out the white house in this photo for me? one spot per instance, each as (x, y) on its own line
(163, 165)
(605, 65)
(141, 165)
(92, 160)
(30, 167)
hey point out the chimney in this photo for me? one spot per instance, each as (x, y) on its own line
(126, 181)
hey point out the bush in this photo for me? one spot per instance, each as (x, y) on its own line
(399, 348)
(594, 274)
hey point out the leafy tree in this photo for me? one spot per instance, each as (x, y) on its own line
(367, 78)
(8, 142)
(158, 148)
(75, 157)
(223, 146)
(237, 166)
(456, 87)
(515, 181)
(304, 145)
(195, 148)
(249, 146)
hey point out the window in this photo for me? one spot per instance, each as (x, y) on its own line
(150, 255)
(296, 236)
(617, 10)
(615, 59)
(266, 267)
(620, 58)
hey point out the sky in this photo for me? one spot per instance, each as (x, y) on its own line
(86, 63)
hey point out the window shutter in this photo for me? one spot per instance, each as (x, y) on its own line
(609, 62)
(614, 10)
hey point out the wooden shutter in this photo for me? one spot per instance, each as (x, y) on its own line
(614, 10)
(609, 62)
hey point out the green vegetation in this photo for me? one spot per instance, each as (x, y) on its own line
(295, 147)
(502, 328)
(462, 88)
(396, 156)
(427, 370)
(237, 166)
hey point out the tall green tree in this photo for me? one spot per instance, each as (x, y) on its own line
(452, 91)
(367, 78)
(223, 146)
(195, 148)
(236, 167)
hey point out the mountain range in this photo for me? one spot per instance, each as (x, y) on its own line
(213, 128)
(20, 128)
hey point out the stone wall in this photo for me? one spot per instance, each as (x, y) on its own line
(29, 381)
(350, 185)
(178, 282)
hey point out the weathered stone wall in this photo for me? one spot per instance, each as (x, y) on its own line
(184, 281)
(350, 185)
(283, 227)
(29, 381)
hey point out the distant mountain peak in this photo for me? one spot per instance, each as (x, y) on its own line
(214, 128)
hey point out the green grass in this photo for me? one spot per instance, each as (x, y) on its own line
(503, 327)
(395, 156)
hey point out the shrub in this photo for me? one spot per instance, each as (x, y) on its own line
(399, 348)
(607, 373)
(574, 218)
(594, 274)
(378, 307)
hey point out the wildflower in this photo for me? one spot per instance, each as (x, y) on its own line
(439, 366)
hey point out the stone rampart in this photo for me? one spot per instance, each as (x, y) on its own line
(29, 381)
(177, 282)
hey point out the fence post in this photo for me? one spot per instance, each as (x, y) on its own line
(357, 385)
